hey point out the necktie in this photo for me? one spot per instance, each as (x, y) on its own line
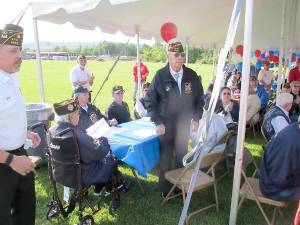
(176, 76)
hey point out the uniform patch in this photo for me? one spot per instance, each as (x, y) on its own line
(187, 87)
(93, 117)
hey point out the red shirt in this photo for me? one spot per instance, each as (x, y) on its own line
(294, 74)
(144, 72)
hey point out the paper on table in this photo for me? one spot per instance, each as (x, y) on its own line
(102, 129)
(144, 133)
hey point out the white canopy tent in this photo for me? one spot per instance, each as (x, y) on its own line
(202, 22)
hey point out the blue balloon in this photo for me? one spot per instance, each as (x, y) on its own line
(294, 55)
(263, 55)
(258, 65)
(271, 53)
(271, 65)
(276, 52)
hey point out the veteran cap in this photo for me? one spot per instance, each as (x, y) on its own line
(175, 46)
(80, 89)
(11, 34)
(117, 88)
(65, 107)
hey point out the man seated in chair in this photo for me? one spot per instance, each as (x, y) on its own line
(118, 109)
(98, 163)
(88, 113)
(280, 166)
(139, 107)
(277, 117)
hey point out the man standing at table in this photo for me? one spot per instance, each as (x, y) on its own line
(17, 194)
(174, 102)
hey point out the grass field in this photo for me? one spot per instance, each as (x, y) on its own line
(136, 208)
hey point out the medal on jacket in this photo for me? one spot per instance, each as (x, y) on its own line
(168, 88)
(93, 117)
(187, 87)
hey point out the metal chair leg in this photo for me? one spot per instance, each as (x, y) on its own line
(137, 181)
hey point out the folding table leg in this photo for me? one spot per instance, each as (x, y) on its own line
(137, 181)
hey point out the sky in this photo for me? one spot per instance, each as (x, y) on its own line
(67, 32)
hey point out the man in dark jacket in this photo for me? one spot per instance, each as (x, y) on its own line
(97, 163)
(174, 102)
(280, 167)
(88, 113)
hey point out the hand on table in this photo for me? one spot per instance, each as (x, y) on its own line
(160, 129)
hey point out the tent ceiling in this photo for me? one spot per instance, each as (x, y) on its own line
(203, 22)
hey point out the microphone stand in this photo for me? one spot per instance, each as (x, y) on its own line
(108, 74)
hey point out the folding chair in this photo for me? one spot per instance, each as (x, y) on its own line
(181, 178)
(250, 190)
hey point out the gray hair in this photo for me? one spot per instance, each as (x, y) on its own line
(284, 98)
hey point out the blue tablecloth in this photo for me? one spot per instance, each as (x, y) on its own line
(140, 153)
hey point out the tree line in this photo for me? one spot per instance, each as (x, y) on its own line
(155, 53)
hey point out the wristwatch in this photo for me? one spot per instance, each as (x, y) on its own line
(9, 159)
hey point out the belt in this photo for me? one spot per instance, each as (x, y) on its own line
(18, 151)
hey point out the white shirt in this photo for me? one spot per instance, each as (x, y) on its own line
(79, 74)
(180, 74)
(140, 109)
(266, 76)
(216, 131)
(13, 121)
(279, 122)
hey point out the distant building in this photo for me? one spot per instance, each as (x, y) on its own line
(51, 55)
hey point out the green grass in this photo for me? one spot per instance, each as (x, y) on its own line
(136, 208)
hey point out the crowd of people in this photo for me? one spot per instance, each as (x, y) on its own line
(174, 101)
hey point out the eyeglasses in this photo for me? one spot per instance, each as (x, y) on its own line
(177, 54)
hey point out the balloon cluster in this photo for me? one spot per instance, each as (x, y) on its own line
(268, 56)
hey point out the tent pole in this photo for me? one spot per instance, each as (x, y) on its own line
(243, 110)
(138, 60)
(186, 51)
(281, 50)
(38, 60)
(214, 59)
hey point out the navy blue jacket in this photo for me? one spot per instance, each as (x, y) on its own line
(119, 112)
(164, 102)
(89, 117)
(280, 166)
(267, 126)
(97, 164)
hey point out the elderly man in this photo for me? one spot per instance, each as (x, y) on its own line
(174, 102)
(17, 194)
(89, 113)
(294, 74)
(277, 117)
(95, 155)
(80, 75)
(279, 176)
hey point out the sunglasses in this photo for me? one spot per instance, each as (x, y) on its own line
(177, 54)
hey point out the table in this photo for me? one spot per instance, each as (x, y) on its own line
(137, 145)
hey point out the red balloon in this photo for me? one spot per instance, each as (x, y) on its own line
(239, 49)
(275, 59)
(271, 58)
(257, 53)
(168, 31)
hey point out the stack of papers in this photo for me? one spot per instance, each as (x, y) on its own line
(102, 129)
